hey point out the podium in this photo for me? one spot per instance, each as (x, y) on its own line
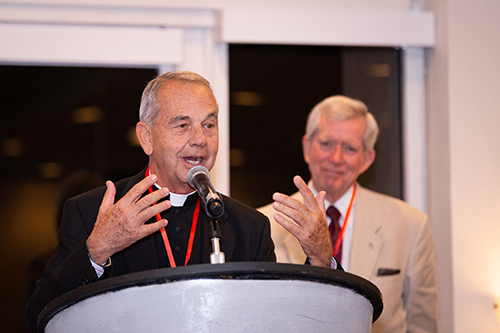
(231, 297)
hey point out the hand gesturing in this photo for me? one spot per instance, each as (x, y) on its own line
(121, 224)
(307, 222)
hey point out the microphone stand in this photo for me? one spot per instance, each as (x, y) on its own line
(216, 257)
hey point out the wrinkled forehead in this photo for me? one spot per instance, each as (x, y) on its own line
(187, 98)
(350, 128)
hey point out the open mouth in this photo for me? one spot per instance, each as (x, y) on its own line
(193, 160)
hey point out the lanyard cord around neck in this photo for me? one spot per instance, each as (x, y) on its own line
(341, 234)
(191, 234)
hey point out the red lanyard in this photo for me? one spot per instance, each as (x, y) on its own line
(341, 234)
(191, 234)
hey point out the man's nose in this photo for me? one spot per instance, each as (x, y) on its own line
(336, 155)
(198, 136)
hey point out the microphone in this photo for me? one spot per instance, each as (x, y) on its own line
(199, 178)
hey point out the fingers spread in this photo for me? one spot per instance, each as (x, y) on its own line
(307, 194)
(149, 211)
(109, 196)
(138, 189)
(121, 224)
(320, 200)
(290, 207)
(148, 229)
(152, 198)
(289, 225)
(306, 221)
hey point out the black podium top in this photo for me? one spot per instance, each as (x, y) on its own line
(233, 271)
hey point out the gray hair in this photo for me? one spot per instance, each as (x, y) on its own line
(339, 108)
(150, 107)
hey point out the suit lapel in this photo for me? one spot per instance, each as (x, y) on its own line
(367, 238)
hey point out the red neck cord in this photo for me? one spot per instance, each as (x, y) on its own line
(191, 234)
(341, 234)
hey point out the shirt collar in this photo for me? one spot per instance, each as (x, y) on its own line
(177, 200)
(342, 204)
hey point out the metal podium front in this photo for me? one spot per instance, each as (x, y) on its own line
(231, 297)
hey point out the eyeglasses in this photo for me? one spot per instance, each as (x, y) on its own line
(347, 148)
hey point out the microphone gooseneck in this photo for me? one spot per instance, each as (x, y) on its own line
(199, 178)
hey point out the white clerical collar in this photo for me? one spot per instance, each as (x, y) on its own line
(177, 200)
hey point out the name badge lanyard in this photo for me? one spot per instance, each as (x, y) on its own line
(164, 232)
(341, 234)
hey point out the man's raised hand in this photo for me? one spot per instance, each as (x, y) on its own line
(121, 224)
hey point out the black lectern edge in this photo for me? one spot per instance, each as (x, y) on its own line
(233, 271)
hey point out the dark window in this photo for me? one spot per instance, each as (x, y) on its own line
(274, 87)
(72, 118)
(55, 121)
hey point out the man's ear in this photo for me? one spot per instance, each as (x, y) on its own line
(305, 148)
(143, 132)
(368, 161)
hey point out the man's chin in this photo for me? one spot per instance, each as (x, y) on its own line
(333, 184)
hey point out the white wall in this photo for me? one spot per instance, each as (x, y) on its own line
(474, 68)
(464, 158)
(364, 5)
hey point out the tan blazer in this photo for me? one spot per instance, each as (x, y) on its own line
(393, 247)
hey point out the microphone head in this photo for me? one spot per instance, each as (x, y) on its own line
(195, 171)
